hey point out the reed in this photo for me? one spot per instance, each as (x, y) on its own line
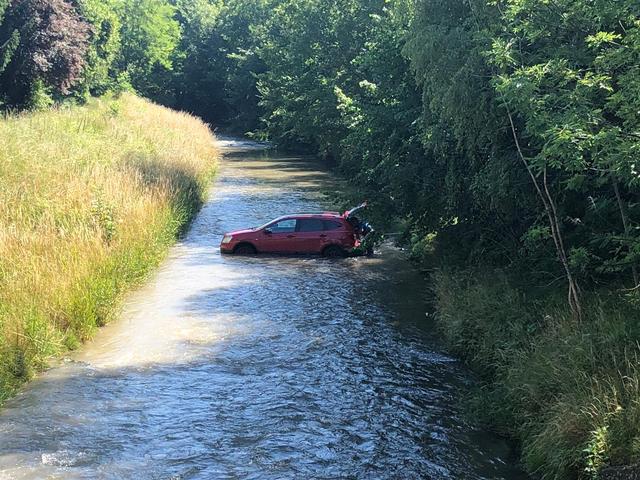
(90, 200)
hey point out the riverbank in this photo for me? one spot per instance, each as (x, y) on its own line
(567, 391)
(91, 199)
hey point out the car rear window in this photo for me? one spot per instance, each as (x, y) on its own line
(310, 225)
(332, 225)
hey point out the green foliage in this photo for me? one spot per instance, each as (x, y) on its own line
(149, 36)
(588, 143)
(104, 218)
(202, 63)
(86, 48)
(308, 51)
(597, 450)
(100, 73)
(9, 47)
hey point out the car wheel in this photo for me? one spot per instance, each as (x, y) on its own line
(333, 251)
(245, 249)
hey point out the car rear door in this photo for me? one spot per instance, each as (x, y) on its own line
(311, 235)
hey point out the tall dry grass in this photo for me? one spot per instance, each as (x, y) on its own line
(90, 199)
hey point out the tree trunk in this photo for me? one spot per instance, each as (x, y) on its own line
(556, 232)
(627, 228)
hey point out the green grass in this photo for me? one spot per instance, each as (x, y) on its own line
(91, 199)
(568, 391)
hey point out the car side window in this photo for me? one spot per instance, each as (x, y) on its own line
(332, 225)
(310, 225)
(284, 226)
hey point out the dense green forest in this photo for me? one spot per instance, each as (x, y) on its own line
(502, 135)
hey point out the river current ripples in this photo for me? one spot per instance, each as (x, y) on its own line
(257, 368)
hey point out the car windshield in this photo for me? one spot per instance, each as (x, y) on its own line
(266, 225)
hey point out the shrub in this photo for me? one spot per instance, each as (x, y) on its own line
(568, 391)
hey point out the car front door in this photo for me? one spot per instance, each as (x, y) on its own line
(280, 237)
(312, 237)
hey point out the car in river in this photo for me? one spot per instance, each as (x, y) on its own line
(330, 234)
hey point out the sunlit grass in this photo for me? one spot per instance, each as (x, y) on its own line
(90, 199)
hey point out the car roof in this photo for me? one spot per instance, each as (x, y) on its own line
(321, 215)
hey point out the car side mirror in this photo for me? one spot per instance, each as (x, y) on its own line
(268, 231)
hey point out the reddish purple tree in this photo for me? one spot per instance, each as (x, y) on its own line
(53, 42)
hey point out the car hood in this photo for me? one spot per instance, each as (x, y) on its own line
(241, 232)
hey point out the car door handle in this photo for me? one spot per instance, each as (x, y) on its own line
(323, 236)
(291, 236)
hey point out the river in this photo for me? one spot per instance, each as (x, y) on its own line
(225, 367)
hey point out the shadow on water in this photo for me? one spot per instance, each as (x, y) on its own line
(257, 368)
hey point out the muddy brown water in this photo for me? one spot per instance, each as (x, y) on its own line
(257, 368)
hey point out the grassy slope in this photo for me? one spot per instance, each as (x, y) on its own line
(91, 199)
(568, 391)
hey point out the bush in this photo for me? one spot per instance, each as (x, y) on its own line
(569, 392)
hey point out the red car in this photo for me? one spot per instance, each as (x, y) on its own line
(327, 233)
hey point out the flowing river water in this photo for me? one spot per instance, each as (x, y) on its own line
(257, 368)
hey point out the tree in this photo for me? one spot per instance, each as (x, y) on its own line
(44, 43)
(469, 172)
(150, 36)
(308, 49)
(576, 138)
(220, 61)
(380, 105)
(202, 62)
(8, 45)
(101, 73)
